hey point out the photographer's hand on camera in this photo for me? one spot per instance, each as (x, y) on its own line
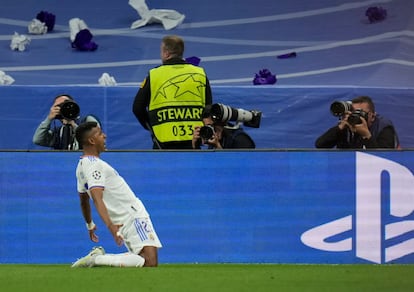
(70, 122)
(342, 124)
(54, 111)
(55, 114)
(196, 138)
(362, 129)
(214, 141)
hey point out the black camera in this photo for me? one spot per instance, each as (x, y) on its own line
(355, 117)
(224, 113)
(339, 108)
(69, 110)
(207, 132)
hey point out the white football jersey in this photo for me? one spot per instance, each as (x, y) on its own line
(120, 200)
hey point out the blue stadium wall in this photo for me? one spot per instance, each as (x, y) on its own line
(292, 116)
(222, 207)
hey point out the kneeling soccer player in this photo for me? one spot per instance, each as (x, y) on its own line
(122, 212)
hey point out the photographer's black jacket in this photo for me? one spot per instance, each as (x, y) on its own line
(234, 139)
(383, 135)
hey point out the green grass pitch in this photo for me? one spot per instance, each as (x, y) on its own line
(209, 277)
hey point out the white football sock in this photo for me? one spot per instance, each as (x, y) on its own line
(120, 260)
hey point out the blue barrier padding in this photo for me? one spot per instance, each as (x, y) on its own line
(292, 117)
(208, 207)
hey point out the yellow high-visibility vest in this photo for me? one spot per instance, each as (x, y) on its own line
(177, 100)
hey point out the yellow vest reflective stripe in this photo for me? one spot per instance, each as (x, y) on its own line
(177, 100)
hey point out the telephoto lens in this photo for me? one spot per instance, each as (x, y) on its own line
(339, 108)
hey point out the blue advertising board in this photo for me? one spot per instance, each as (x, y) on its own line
(337, 207)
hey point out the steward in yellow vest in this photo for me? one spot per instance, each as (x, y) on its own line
(172, 98)
(177, 100)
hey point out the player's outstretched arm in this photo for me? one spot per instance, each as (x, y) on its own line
(87, 215)
(97, 196)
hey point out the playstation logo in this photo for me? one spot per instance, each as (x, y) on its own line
(380, 231)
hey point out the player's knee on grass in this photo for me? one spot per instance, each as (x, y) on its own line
(150, 254)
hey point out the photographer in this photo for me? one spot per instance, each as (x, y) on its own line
(360, 127)
(219, 134)
(60, 137)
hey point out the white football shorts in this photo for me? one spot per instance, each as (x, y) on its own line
(138, 233)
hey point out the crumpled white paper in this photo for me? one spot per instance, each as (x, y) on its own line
(5, 79)
(37, 27)
(107, 80)
(75, 26)
(169, 18)
(19, 42)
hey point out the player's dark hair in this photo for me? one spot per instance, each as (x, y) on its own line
(82, 131)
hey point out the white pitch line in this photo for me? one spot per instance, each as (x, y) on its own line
(364, 40)
(290, 75)
(321, 71)
(285, 16)
(217, 23)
